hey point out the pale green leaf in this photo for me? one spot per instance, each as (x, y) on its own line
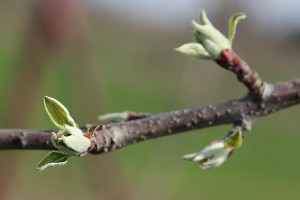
(209, 32)
(70, 130)
(53, 159)
(233, 21)
(76, 143)
(61, 146)
(58, 114)
(213, 48)
(203, 18)
(194, 50)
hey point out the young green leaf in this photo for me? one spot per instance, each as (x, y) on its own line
(235, 138)
(77, 144)
(233, 21)
(53, 159)
(203, 18)
(58, 143)
(194, 50)
(58, 114)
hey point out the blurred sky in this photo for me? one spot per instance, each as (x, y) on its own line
(281, 16)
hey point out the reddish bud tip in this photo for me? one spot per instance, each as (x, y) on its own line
(227, 56)
(236, 60)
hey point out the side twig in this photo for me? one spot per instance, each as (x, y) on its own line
(257, 87)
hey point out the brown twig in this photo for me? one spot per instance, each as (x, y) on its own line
(257, 87)
(114, 136)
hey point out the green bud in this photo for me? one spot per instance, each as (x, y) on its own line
(71, 141)
(210, 41)
(208, 31)
(113, 117)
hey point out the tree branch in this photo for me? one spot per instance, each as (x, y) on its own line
(262, 99)
(117, 135)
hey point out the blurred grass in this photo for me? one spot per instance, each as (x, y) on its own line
(137, 70)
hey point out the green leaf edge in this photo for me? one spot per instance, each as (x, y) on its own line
(203, 18)
(235, 139)
(194, 50)
(50, 161)
(233, 21)
(58, 113)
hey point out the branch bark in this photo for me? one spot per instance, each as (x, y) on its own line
(114, 136)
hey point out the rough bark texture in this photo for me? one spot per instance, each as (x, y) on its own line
(117, 135)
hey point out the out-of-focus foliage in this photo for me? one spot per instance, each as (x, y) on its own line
(109, 64)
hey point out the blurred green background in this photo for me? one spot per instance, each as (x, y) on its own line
(100, 57)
